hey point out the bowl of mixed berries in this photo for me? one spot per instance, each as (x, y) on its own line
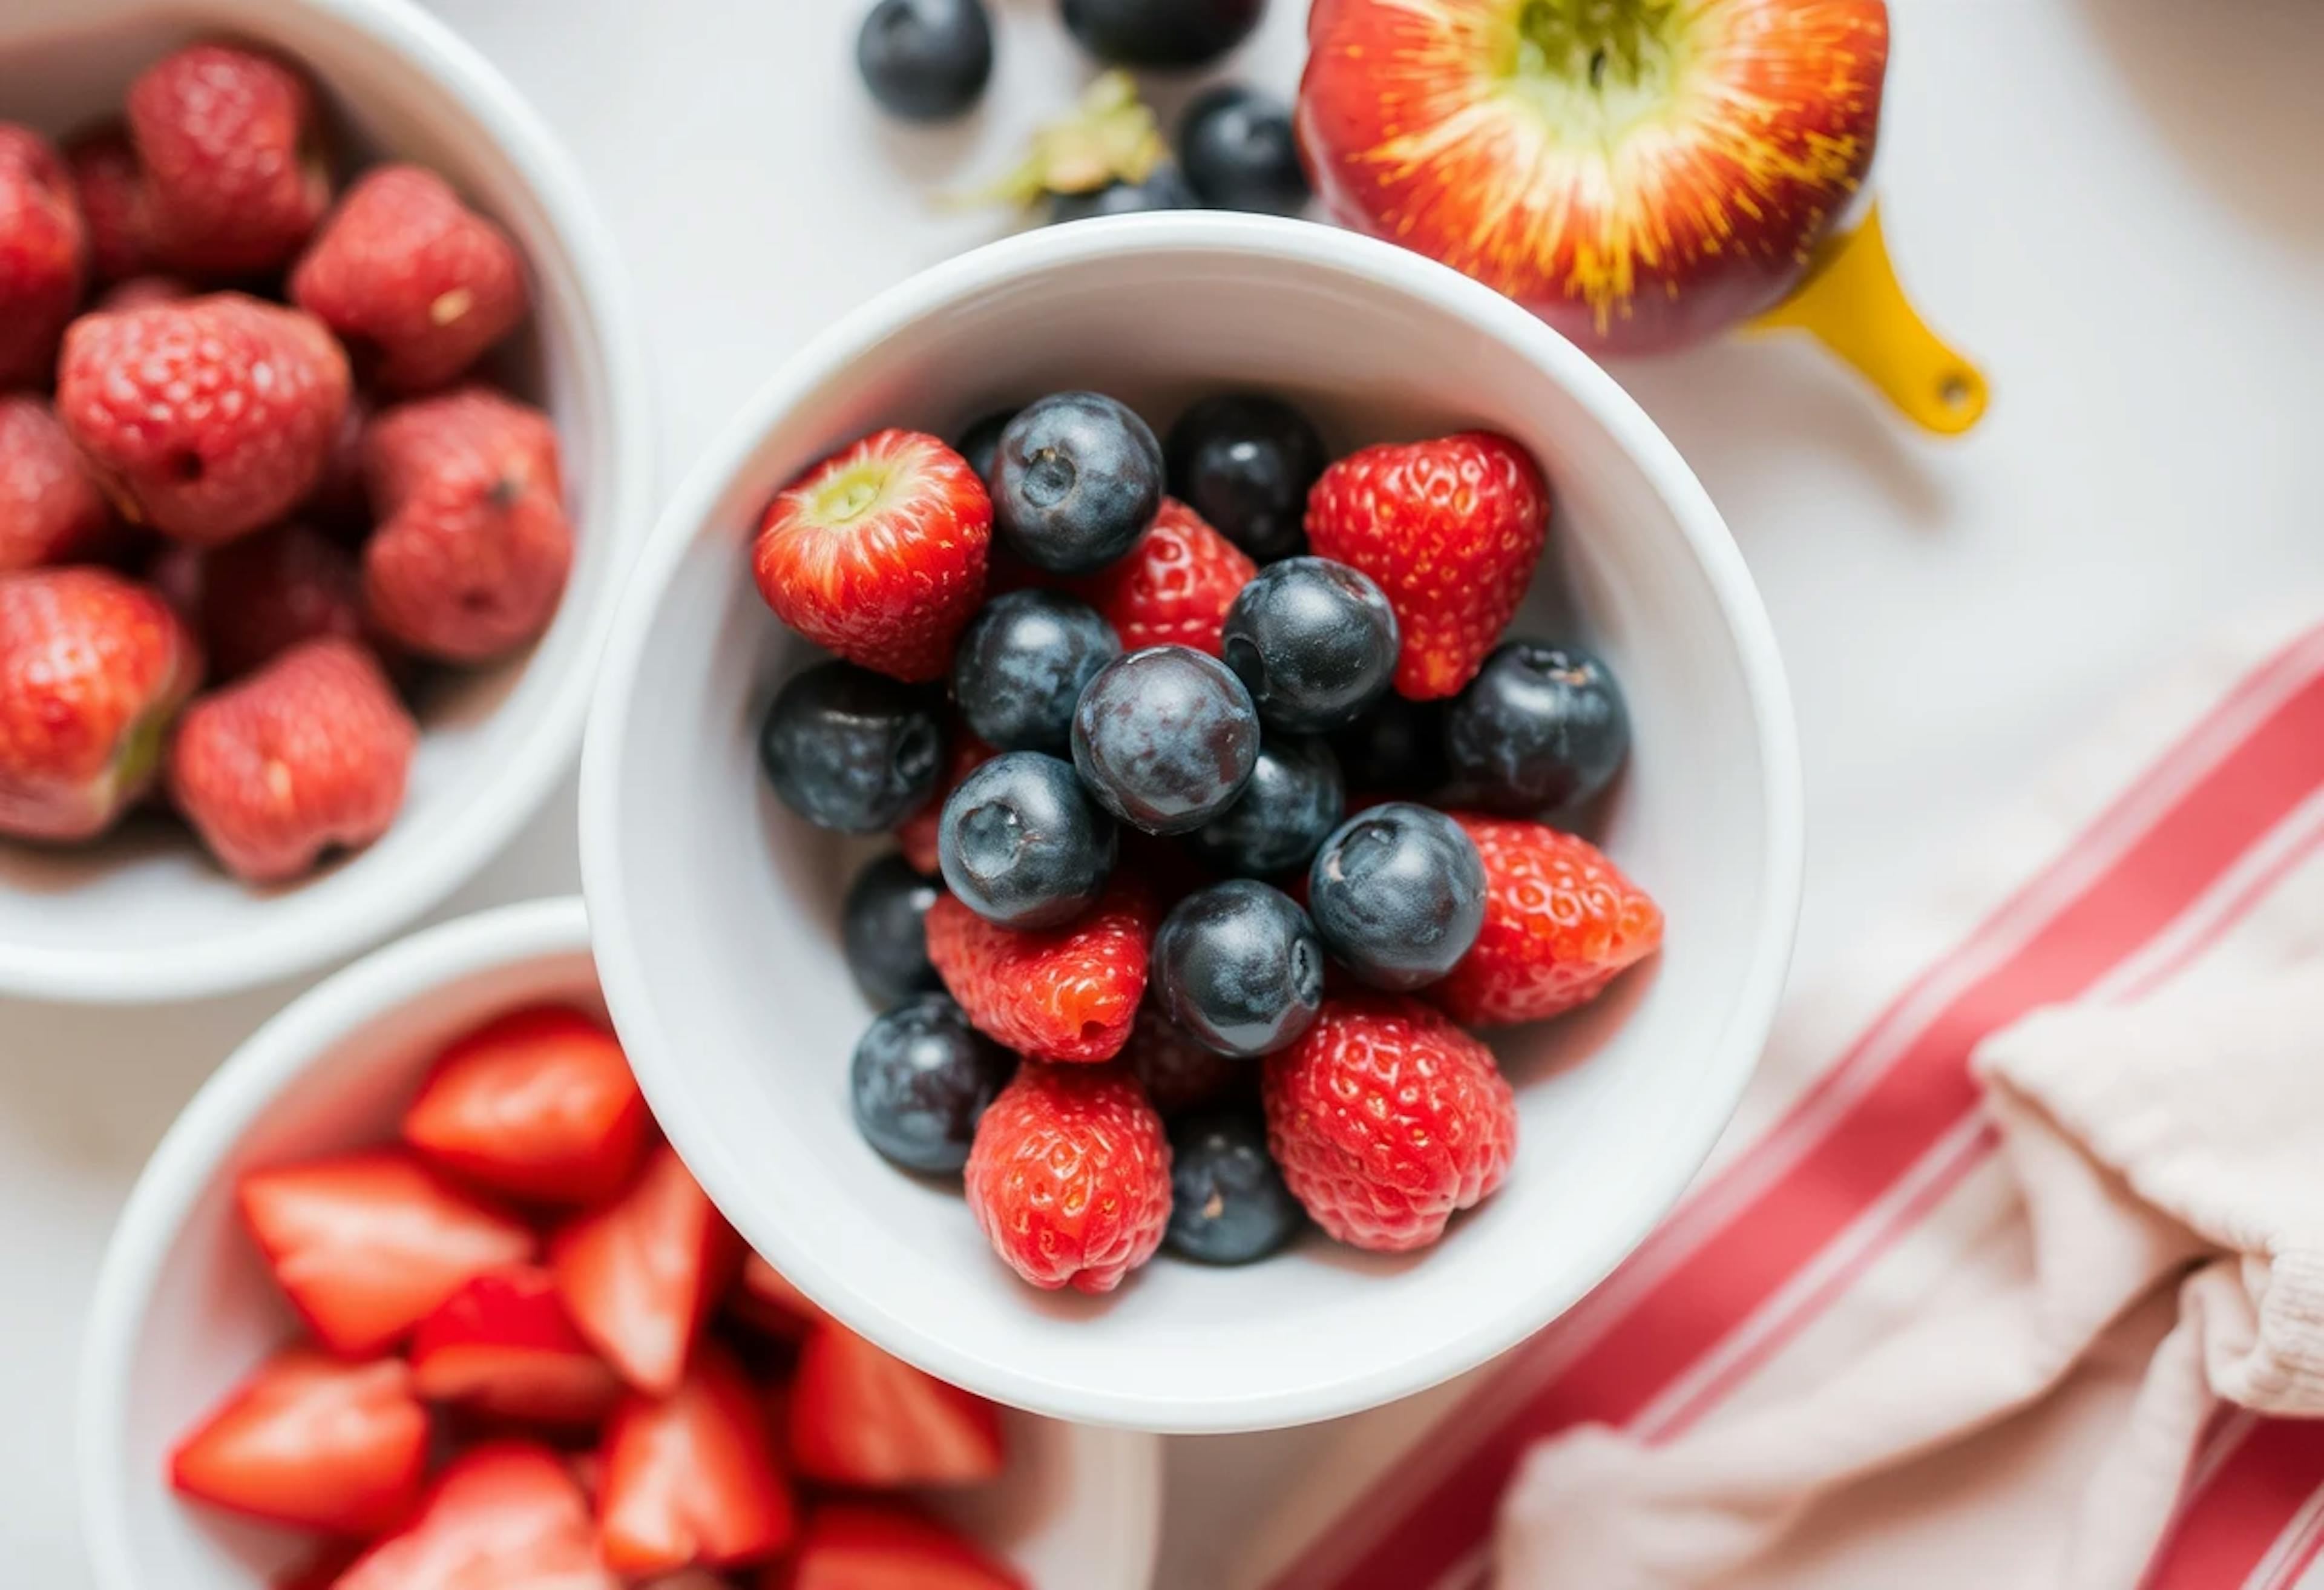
(1194, 822)
(319, 426)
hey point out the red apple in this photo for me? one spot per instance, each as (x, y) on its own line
(1640, 174)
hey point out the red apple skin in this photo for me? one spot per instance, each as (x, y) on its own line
(1414, 130)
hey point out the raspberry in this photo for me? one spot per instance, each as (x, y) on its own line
(44, 254)
(1384, 1119)
(1054, 993)
(1175, 585)
(266, 593)
(417, 284)
(228, 141)
(112, 194)
(50, 509)
(915, 836)
(204, 419)
(1561, 923)
(1069, 1178)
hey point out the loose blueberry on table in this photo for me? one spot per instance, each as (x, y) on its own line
(1162, 188)
(1165, 33)
(1240, 153)
(926, 59)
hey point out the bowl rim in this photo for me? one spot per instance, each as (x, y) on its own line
(686, 515)
(462, 839)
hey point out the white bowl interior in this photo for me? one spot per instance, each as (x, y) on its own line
(146, 914)
(717, 910)
(186, 1308)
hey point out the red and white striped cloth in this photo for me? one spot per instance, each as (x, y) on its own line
(1847, 1358)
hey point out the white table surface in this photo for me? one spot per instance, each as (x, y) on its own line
(2115, 204)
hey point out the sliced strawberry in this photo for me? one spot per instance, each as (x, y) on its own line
(507, 1515)
(1174, 587)
(368, 1244)
(639, 1275)
(886, 1546)
(313, 1443)
(859, 1417)
(692, 1479)
(539, 1104)
(502, 1345)
(765, 1301)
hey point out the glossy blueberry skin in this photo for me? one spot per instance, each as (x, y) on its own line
(1238, 965)
(1244, 461)
(921, 1078)
(1166, 738)
(1021, 844)
(1164, 189)
(1398, 894)
(1228, 1202)
(883, 929)
(1396, 748)
(1167, 33)
(1541, 727)
(1290, 806)
(1077, 480)
(1239, 152)
(981, 442)
(1021, 665)
(1314, 641)
(849, 749)
(926, 59)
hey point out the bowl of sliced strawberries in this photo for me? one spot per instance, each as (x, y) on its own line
(414, 1296)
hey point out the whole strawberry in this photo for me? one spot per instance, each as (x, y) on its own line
(1561, 923)
(1175, 585)
(44, 254)
(207, 418)
(112, 194)
(306, 755)
(473, 546)
(1450, 530)
(266, 593)
(229, 143)
(1054, 993)
(878, 553)
(49, 506)
(92, 668)
(1385, 1119)
(415, 282)
(1069, 1176)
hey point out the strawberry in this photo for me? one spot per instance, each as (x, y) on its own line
(1069, 1176)
(44, 254)
(916, 836)
(473, 546)
(863, 1545)
(416, 283)
(1384, 1118)
(639, 1274)
(206, 418)
(1054, 993)
(877, 553)
(692, 1479)
(537, 1105)
(502, 1345)
(1178, 1073)
(228, 141)
(111, 191)
(1450, 530)
(92, 668)
(321, 1568)
(1175, 585)
(311, 1442)
(263, 594)
(367, 1244)
(859, 1416)
(1561, 923)
(507, 1515)
(765, 1300)
(309, 753)
(50, 508)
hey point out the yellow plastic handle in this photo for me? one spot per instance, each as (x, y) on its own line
(1851, 301)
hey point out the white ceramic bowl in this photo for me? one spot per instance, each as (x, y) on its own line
(184, 1306)
(716, 912)
(146, 915)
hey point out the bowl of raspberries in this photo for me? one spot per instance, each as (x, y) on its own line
(1193, 823)
(321, 426)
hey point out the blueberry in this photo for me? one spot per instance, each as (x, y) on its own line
(1228, 1203)
(1021, 665)
(980, 441)
(1161, 32)
(849, 749)
(921, 1078)
(926, 59)
(1077, 481)
(1238, 966)
(1244, 462)
(1397, 748)
(1399, 892)
(1541, 727)
(1022, 844)
(883, 927)
(1166, 738)
(1314, 641)
(1293, 801)
(1164, 189)
(1240, 153)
